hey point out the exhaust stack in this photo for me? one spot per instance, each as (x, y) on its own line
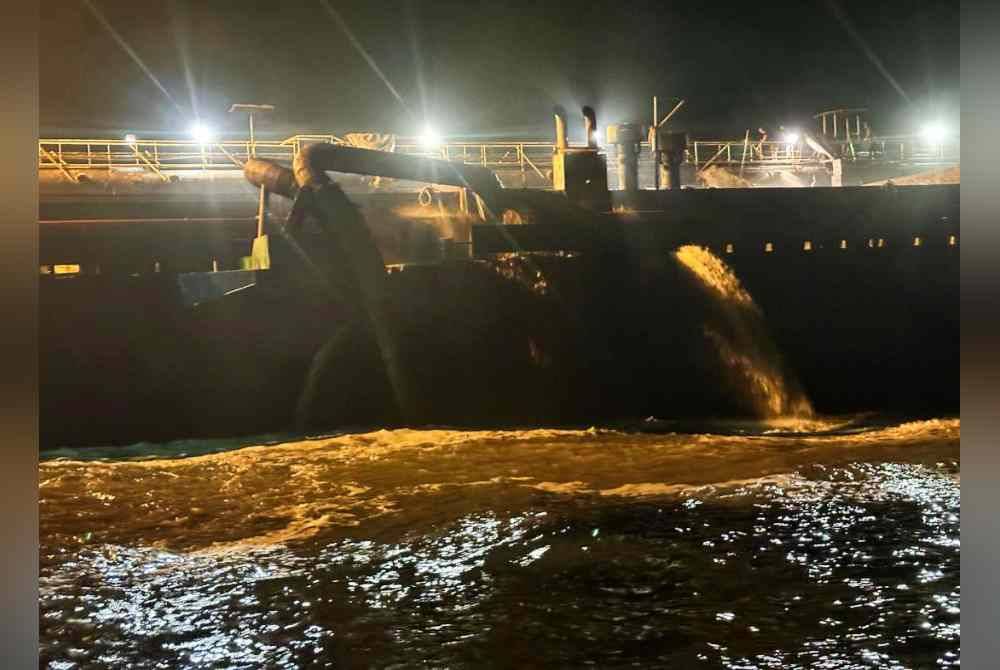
(671, 147)
(590, 126)
(560, 116)
(628, 137)
(580, 172)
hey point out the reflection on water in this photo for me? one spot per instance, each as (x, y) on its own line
(542, 548)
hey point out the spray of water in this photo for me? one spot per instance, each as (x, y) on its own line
(737, 331)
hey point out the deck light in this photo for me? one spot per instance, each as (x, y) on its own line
(201, 133)
(934, 132)
(429, 138)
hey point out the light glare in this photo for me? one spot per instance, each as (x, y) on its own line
(201, 133)
(934, 132)
(429, 137)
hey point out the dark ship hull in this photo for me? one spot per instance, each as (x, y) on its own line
(551, 323)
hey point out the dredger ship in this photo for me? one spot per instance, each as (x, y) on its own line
(466, 303)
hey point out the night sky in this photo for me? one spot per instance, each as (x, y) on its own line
(493, 68)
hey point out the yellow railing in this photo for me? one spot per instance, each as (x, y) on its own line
(771, 152)
(163, 157)
(157, 156)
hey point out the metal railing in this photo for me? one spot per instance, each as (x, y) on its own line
(156, 156)
(904, 148)
(523, 156)
(770, 153)
(164, 157)
(730, 152)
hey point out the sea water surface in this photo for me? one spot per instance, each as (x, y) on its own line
(827, 543)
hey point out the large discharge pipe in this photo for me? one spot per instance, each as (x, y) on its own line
(313, 162)
(356, 278)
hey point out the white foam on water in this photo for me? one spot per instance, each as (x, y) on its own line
(271, 495)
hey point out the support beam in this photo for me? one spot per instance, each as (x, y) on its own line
(712, 159)
(672, 112)
(149, 164)
(236, 161)
(56, 161)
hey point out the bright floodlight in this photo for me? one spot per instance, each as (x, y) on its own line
(934, 132)
(130, 138)
(201, 132)
(791, 137)
(429, 137)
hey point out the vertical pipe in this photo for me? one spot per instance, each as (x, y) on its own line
(560, 117)
(629, 170)
(653, 147)
(628, 138)
(463, 200)
(520, 159)
(559, 155)
(743, 154)
(674, 154)
(253, 145)
(835, 125)
(261, 208)
(674, 174)
(590, 127)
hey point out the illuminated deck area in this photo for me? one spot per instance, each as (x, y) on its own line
(524, 164)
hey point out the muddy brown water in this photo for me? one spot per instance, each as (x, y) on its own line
(829, 542)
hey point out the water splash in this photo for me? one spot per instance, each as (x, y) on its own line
(738, 333)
